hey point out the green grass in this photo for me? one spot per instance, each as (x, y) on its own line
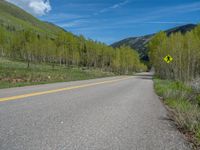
(15, 74)
(183, 104)
(13, 16)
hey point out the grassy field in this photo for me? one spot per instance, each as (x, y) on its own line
(12, 16)
(15, 74)
(184, 104)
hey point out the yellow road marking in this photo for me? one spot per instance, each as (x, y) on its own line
(57, 90)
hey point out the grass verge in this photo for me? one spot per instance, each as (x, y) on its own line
(15, 74)
(183, 104)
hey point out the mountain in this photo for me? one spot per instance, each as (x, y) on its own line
(14, 18)
(140, 43)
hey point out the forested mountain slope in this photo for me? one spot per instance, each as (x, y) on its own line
(185, 50)
(140, 43)
(24, 37)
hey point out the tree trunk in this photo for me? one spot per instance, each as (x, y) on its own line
(28, 65)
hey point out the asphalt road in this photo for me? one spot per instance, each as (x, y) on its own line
(117, 113)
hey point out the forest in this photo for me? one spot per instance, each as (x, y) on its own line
(178, 82)
(67, 49)
(185, 51)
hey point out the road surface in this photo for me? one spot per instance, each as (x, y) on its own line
(116, 113)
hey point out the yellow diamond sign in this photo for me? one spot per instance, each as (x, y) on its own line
(168, 59)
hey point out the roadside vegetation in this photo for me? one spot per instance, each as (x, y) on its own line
(33, 51)
(183, 103)
(36, 58)
(185, 50)
(40, 49)
(178, 83)
(15, 73)
(66, 49)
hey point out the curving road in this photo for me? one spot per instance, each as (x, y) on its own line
(117, 113)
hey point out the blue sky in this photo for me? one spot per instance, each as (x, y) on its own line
(112, 20)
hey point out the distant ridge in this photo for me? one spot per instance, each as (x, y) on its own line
(140, 43)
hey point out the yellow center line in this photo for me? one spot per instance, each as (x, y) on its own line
(57, 90)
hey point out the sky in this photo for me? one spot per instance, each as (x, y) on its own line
(109, 21)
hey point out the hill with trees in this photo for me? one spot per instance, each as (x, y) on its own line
(24, 37)
(185, 50)
(180, 84)
(140, 43)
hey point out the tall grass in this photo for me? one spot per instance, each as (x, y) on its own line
(184, 106)
(15, 73)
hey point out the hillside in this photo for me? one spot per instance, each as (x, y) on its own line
(26, 39)
(140, 43)
(15, 18)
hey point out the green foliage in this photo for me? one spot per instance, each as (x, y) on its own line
(15, 73)
(185, 50)
(172, 89)
(69, 50)
(24, 37)
(185, 111)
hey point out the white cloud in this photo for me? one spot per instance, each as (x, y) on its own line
(61, 17)
(119, 4)
(160, 13)
(115, 6)
(167, 22)
(35, 7)
(75, 23)
(68, 25)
